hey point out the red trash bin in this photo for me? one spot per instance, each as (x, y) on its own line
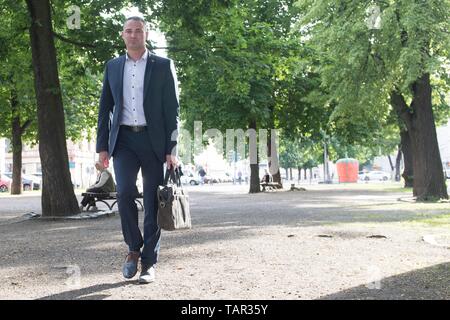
(347, 170)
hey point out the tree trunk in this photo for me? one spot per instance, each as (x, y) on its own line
(254, 161)
(304, 170)
(429, 182)
(398, 160)
(326, 173)
(391, 164)
(408, 171)
(272, 157)
(16, 186)
(58, 197)
(299, 173)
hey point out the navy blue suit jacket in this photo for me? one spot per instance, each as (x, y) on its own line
(161, 107)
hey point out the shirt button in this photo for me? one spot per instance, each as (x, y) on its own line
(134, 109)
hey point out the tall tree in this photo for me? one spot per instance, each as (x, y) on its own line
(80, 54)
(17, 119)
(398, 60)
(302, 154)
(229, 57)
(58, 197)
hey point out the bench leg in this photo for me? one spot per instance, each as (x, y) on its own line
(107, 204)
(138, 202)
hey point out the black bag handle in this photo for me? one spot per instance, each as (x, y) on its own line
(174, 176)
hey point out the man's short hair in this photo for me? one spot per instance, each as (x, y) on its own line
(137, 18)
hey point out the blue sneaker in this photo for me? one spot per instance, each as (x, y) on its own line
(130, 266)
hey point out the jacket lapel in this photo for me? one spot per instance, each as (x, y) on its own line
(148, 73)
(121, 70)
(119, 106)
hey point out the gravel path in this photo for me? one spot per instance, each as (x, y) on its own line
(329, 242)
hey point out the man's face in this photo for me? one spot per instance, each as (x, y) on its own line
(134, 35)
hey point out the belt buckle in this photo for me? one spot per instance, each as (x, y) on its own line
(135, 128)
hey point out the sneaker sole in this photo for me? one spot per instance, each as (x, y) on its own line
(142, 281)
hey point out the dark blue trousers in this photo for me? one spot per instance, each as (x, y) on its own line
(134, 151)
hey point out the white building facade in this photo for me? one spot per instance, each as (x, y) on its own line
(82, 157)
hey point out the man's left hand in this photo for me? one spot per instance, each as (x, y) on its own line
(171, 161)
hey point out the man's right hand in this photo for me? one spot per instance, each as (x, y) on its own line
(103, 157)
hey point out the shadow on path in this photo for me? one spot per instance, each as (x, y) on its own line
(84, 293)
(432, 283)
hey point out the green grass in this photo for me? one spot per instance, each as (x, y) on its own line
(433, 220)
(398, 189)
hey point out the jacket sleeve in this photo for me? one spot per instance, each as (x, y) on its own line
(106, 106)
(171, 109)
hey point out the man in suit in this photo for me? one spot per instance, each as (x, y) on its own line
(137, 126)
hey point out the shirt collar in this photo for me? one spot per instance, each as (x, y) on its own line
(143, 58)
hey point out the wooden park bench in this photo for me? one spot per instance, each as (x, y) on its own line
(104, 197)
(270, 186)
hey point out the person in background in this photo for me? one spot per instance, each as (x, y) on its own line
(240, 177)
(202, 174)
(103, 184)
(266, 177)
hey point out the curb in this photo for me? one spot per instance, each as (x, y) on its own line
(81, 216)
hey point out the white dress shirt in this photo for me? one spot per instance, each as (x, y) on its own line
(133, 91)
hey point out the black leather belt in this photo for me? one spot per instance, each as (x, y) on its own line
(134, 128)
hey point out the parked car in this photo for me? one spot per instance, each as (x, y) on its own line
(376, 176)
(28, 183)
(361, 175)
(5, 184)
(38, 177)
(35, 181)
(190, 179)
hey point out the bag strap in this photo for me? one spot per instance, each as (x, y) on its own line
(174, 176)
